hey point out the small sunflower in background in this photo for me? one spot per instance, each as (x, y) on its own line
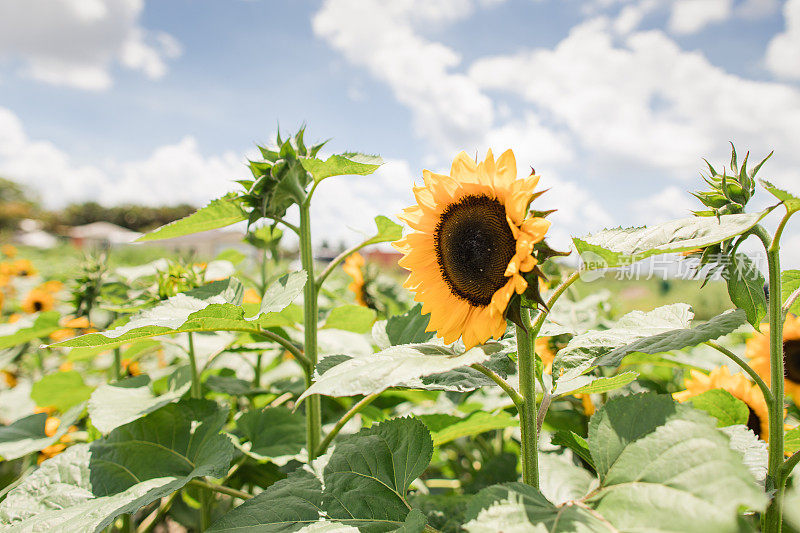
(471, 246)
(9, 250)
(353, 266)
(52, 286)
(72, 327)
(37, 301)
(23, 268)
(251, 296)
(739, 387)
(757, 351)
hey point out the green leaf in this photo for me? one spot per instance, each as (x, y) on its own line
(27, 435)
(790, 282)
(475, 424)
(791, 442)
(115, 404)
(388, 231)
(574, 442)
(661, 330)
(655, 457)
(183, 313)
(395, 366)
(561, 480)
(409, 328)
(355, 318)
(519, 507)
(595, 384)
(365, 479)
(616, 247)
(341, 165)
(26, 330)
(746, 288)
(368, 474)
(790, 200)
(229, 290)
(723, 406)
(270, 433)
(217, 214)
(87, 486)
(61, 390)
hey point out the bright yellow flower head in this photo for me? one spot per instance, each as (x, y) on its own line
(23, 268)
(758, 352)
(9, 250)
(739, 386)
(37, 301)
(251, 296)
(472, 243)
(352, 266)
(51, 286)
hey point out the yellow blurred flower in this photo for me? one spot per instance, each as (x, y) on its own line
(8, 378)
(8, 250)
(757, 351)
(38, 301)
(131, 367)
(352, 266)
(23, 268)
(739, 387)
(251, 296)
(51, 286)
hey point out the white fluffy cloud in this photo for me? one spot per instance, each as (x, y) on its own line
(667, 204)
(76, 42)
(783, 52)
(691, 16)
(171, 174)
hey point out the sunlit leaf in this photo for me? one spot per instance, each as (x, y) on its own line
(27, 330)
(270, 433)
(746, 288)
(217, 214)
(790, 282)
(790, 200)
(27, 434)
(409, 328)
(61, 390)
(722, 405)
(341, 165)
(623, 246)
(474, 424)
(355, 318)
(388, 230)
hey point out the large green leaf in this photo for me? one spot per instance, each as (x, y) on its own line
(395, 366)
(217, 214)
(270, 433)
(184, 313)
(790, 282)
(84, 488)
(661, 330)
(722, 405)
(115, 404)
(746, 288)
(595, 384)
(27, 435)
(365, 480)
(656, 457)
(791, 441)
(520, 507)
(622, 246)
(26, 330)
(61, 390)
(341, 165)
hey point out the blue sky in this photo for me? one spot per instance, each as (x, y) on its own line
(614, 102)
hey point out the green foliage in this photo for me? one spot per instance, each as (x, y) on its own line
(62, 390)
(746, 288)
(723, 406)
(270, 433)
(355, 318)
(790, 282)
(28, 331)
(27, 435)
(339, 165)
(217, 214)
(790, 200)
(446, 428)
(408, 328)
(133, 217)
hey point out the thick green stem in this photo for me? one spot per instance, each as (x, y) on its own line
(197, 393)
(313, 405)
(773, 517)
(744, 366)
(527, 389)
(117, 364)
(222, 489)
(503, 384)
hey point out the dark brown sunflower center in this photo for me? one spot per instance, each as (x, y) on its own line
(38, 306)
(473, 248)
(753, 422)
(791, 359)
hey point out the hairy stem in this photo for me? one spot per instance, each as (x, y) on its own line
(773, 517)
(365, 401)
(222, 489)
(333, 264)
(744, 366)
(196, 390)
(503, 384)
(527, 388)
(313, 404)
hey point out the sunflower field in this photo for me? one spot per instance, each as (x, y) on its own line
(483, 385)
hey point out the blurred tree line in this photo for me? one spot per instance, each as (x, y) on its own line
(18, 203)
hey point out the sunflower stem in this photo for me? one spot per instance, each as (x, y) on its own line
(503, 384)
(338, 259)
(197, 393)
(526, 338)
(773, 516)
(744, 366)
(365, 401)
(313, 404)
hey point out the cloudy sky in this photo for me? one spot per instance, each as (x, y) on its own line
(614, 102)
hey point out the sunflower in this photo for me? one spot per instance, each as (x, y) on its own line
(544, 349)
(72, 327)
(8, 250)
(52, 286)
(758, 352)
(352, 266)
(251, 296)
(23, 268)
(739, 386)
(472, 245)
(38, 300)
